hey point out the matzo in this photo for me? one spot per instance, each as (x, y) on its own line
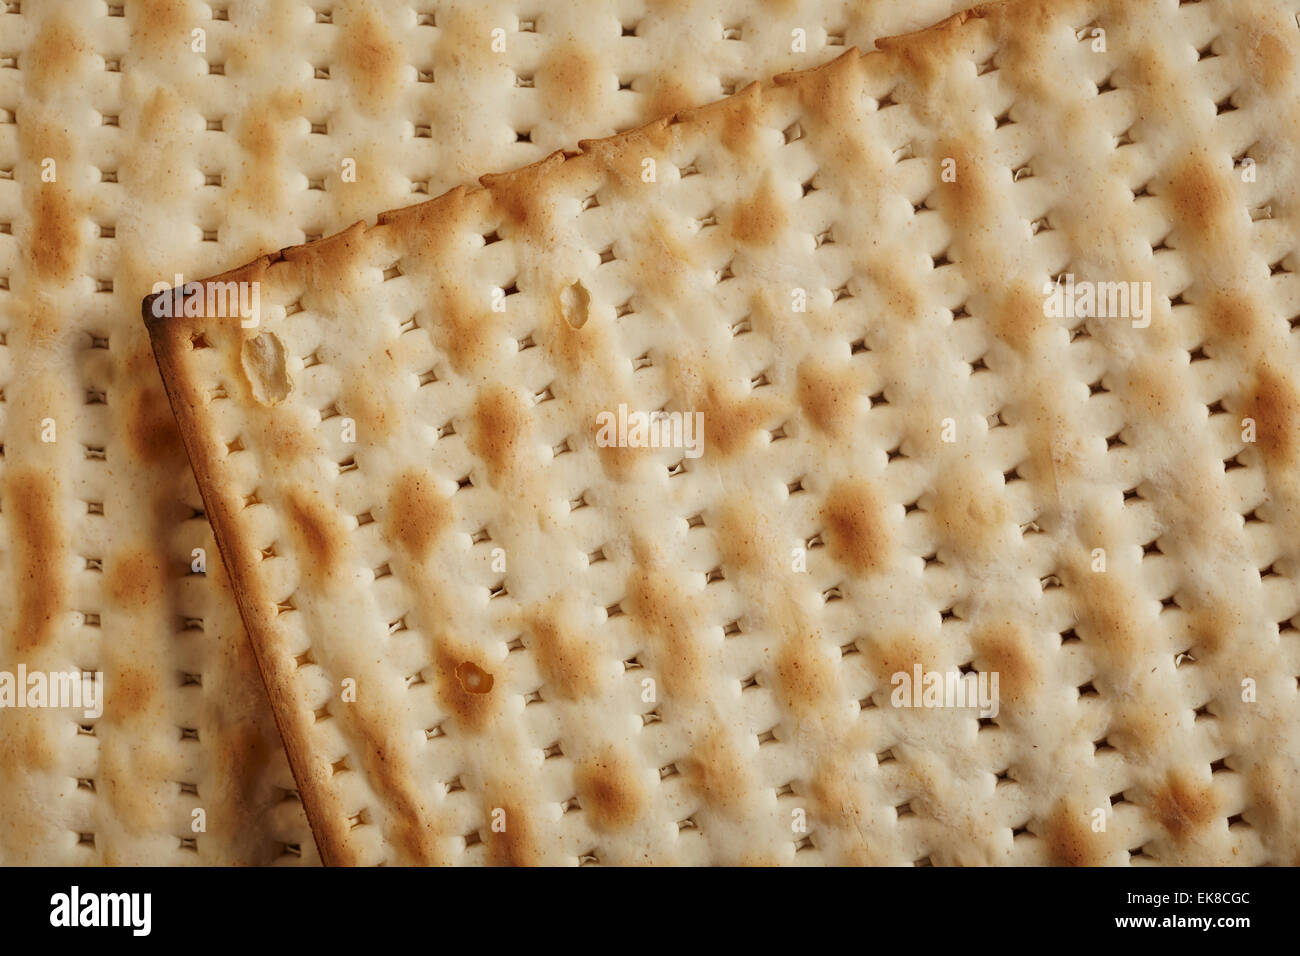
(143, 139)
(488, 637)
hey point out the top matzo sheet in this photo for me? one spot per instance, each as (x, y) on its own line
(993, 339)
(141, 139)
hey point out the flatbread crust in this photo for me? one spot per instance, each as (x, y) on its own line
(152, 138)
(954, 463)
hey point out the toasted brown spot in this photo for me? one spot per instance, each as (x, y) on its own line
(1107, 611)
(525, 196)
(857, 532)
(55, 250)
(131, 689)
(475, 708)
(1070, 839)
(518, 844)
(1272, 61)
(828, 396)
(896, 654)
(151, 427)
(623, 157)
(805, 676)
(720, 775)
(38, 545)
(730, 422)
(261, 131)
(838, 799)
(26, 745)
(1005, 649)
(463, 332)
(1233, 316)
(760, 219)
(1018, 317)
(317, 533)
(608, 789)
(134, 578)
(1274, 404)
(927, 55)
(251, 745)
(659, 605)
(473, 679)
(369, 401)
(1201, 200)
(969, 199)
(58, 57)
(569, 81)
(742, 122)
(417, 513)
(1214, 628)
(896, 290)
(1153, 387)
(1184, 806)
(745, 538)
(370, 56)
(669, 96)
(833, 92)
(619, 463)
(159, 25)
(567, 659)
(287, 436)
(501, 429)
(410, 828)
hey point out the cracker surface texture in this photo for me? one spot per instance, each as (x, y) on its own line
(141, 139)
(490, 638)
